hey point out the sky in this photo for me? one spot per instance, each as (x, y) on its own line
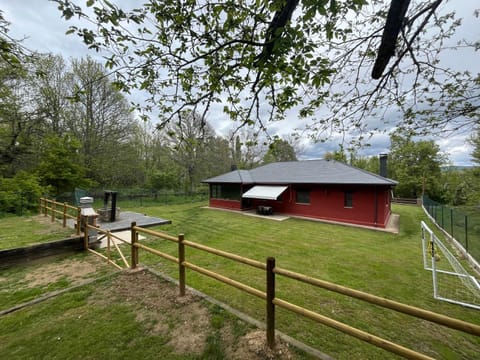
(39, 23)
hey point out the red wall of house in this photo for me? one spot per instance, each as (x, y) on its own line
(327, 203)
(226, 204)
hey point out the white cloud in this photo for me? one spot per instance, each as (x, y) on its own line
(457, 148)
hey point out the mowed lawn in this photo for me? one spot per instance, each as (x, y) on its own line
(23, 231)
(383, 264)
(387, 265)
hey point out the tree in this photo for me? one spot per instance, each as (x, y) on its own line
(19, 121)
(236, 149)
(418, 91)
(46, 97)
(217, 158)
(246, 148)
(198, 51)
(416, 165)
(164, 180)
(262, 59)
(45, 104)
(460, 187)
(151, 161)
(371, 163)
(61, 166)
(51, 81)
(187, 139)
(474, 140)
(20, 192)
(338, 155)
(280, 150)
(99, 117)
(11, 50)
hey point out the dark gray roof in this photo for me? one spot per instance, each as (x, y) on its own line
(303, 172)
(235, 176)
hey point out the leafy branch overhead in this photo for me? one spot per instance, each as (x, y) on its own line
(10, 48)
(259, 60)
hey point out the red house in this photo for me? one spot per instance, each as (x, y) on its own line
(320, 189)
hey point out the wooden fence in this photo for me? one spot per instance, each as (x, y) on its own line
(271, 300)
(407, 201)
(62, 210)
(112, 240)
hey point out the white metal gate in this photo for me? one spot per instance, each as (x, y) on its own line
(451, 281)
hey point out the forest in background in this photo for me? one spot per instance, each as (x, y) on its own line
(64, 125)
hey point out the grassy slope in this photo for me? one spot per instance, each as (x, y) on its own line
(383, 264)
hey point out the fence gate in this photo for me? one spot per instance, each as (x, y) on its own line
(113, 254)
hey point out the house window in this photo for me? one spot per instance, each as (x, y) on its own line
(303, 197)
(225, 191)
(348, 199)
(216, 191)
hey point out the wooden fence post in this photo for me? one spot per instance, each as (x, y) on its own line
(108, 246)
(85, 236)
(270, 306)
(181, 267)
(40, 208)
(64, 214)
(134, 238)
(53, 211)
(45, 208)
(79, 219)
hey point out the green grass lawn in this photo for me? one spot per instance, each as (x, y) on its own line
(24, 231)
(112, 319)
(25, 282)
(383, 264)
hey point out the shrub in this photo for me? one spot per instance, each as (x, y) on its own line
(20, 193)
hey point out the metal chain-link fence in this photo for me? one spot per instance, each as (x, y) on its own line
(465, 228)
(134, 197)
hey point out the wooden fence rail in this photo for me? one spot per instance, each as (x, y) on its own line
(407, 201)
(271, 300)
(382, 302)
(67, 211)
(110, 241)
